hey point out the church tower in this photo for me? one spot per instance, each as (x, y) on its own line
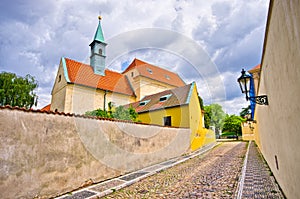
(97, 58)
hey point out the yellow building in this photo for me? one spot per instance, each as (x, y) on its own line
(249, 127)
(160, 96)
(81, 87)
(179, 107)
(277, 125)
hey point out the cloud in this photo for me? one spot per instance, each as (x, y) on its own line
(234, 106)
(36, 34)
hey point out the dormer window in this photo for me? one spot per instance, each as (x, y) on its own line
(167, 77)
(165, 97)
(143, 103)
(149, 70)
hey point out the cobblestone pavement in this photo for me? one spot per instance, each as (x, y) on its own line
(212, 175)
(259, 182)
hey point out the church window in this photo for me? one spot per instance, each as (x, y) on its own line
(100, 51)
(59, 78)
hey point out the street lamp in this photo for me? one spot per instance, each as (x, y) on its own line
(244, 82)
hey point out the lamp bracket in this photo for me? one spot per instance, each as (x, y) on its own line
(261, 100)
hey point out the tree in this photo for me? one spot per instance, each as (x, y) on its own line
(17, 91)
(232, 123)
(201, 103)
(245, 111)
(98, 112)
(214, 116)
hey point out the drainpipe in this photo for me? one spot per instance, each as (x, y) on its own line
(105, 92)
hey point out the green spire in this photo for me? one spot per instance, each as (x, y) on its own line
(99, 34)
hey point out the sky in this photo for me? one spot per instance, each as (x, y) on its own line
(208, 42)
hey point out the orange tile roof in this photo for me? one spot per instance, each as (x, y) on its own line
(83, 74)
(156, 73)
(179, 96)
(257, 67)
(46, 108)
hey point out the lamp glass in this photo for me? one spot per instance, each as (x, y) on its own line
(244, 82)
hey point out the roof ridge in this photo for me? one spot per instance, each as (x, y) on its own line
(106, 69)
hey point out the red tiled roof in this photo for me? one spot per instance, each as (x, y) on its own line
(83, 74)
(257, 67)
(156, 73)
(179, 96)
(46, 108)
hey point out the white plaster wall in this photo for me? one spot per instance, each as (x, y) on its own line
(279, 123)
(45, 155)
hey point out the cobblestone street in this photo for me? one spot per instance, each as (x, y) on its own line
(212, 175)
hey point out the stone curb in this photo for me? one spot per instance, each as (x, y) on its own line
(240, 187)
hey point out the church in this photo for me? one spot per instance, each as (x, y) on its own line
(81, 87)
(159, 96)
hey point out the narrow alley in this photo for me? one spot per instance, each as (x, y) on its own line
(229, 170)
(214, 174)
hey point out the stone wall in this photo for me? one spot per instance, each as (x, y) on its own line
(45, 155)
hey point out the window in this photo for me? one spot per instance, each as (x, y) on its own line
(167, 77)
(149, 70)
(164, 98)
(143, 103)
(100, 51)
(132, 74)
(59, 78)
(167, 121)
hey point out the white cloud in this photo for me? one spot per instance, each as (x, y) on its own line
(35, 35)
(235, 105)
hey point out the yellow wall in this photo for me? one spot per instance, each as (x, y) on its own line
(178, 116)
(59, 91)
(149, 86)
(248, 132)
(199, 135)
(80, 99)
(187, 116)
(143, 86)
(278, 123)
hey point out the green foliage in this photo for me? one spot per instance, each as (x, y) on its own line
(99, 113)
(214, 116)
(17, 91)
(227, 133)
(121, 113)
(232, 123)
(115, 112)
(245, 111)
(201, 103)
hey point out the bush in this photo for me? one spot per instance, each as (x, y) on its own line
(118, 113)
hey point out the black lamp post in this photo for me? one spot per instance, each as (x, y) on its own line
(244, 82)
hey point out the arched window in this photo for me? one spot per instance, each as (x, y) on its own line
(100, 51)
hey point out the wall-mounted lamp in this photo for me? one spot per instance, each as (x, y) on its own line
(244, 82)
